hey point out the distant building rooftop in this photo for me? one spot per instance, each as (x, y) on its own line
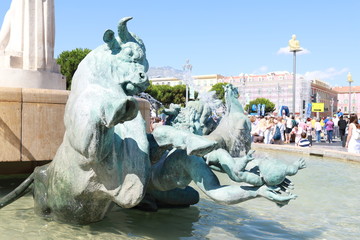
(346, 89)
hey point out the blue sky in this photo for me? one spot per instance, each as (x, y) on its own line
(224, 37)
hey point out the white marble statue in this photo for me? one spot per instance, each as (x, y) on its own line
(28, 32)
(27, 39)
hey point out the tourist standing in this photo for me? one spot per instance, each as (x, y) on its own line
(309, 130)
(329, 127)
(297, 132)
(289, 127)
(281, 125)
(339, 113)
(353, 138)
(253, 121)
(302, 125)
(269, 130)
(258, 132)
(313, 121)
(284, 124)
(342, 128)
(277, 133)
(318, 129)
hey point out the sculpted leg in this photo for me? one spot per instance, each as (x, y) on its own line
(274, 195)
(234, 167)
(178, 169)
(41, 185)
(176, 197)
(297, 165)
(193, 144)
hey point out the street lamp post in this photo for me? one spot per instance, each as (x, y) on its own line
(332, 106)
(294, 46)
(350, 80)
(318, 100)
(243, 90)
(278, 99)
(187, 69)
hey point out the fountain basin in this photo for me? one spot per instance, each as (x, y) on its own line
(327, 208)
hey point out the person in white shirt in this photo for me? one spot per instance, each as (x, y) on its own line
(289, 127)
(281, 125)
(353, 138)
(318, 129)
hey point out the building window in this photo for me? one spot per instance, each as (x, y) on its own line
(345, 109)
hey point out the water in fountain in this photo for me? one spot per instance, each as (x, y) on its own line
(215, 104)
(327, 208)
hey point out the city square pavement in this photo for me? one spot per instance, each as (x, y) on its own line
(336, 145)
(322, 149)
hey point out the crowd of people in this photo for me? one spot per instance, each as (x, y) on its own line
(300, 131)
(305, 132)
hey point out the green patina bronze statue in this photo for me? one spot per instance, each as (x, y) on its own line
(106, 157)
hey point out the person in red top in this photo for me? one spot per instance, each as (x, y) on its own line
(329, 127)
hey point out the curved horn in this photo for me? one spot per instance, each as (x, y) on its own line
(123, 32)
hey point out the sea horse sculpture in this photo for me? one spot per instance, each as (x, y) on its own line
(106, 156)
(233, 131)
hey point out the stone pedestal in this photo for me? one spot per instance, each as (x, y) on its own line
(20, 78)
(32, 126)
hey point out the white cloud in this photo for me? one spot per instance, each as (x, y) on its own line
(286, 51)
(327, 74)
(261, 70)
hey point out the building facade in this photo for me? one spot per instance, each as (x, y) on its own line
(200, 83)
(343, 97)
(166, 81)
(323, 93)
(275, 86)
(278, 88)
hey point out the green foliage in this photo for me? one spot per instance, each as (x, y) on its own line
(219, 90)
(69, 61)
(179, 92)
(167, 94)
(269, 106)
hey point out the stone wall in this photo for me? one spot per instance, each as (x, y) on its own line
(32, 126)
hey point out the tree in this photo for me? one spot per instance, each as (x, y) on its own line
(269, 106)
(179, 92)
(69, 62)
(219, 90)
(167, 94)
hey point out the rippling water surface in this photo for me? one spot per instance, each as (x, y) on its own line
(327, 208)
